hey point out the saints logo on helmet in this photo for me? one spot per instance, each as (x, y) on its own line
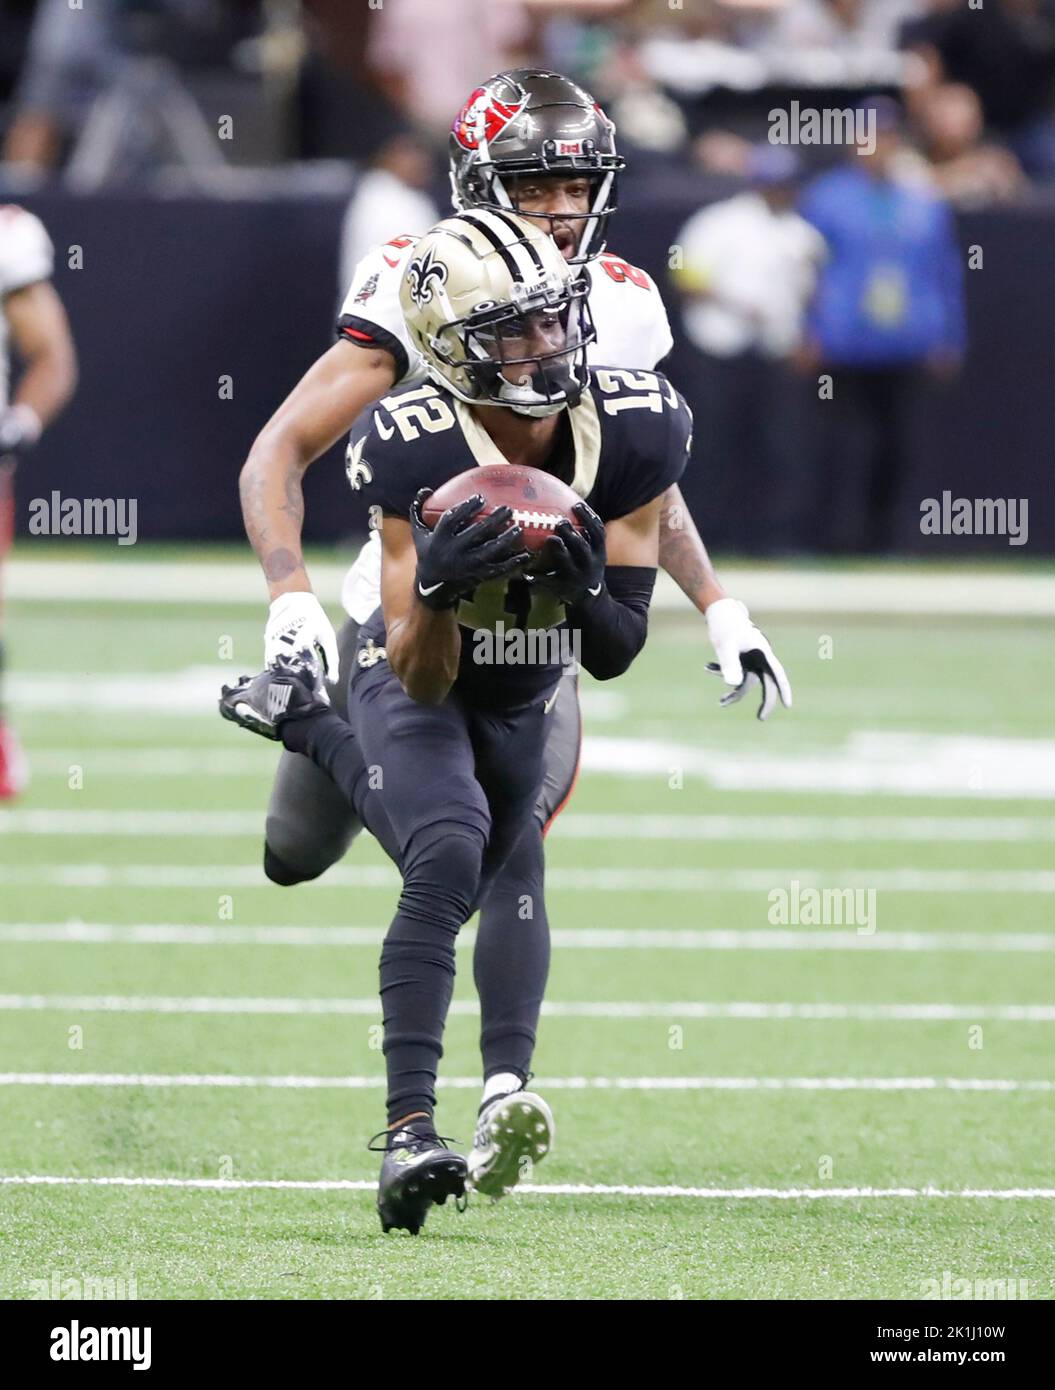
(421, 273)
(532, 122)
(497, 314)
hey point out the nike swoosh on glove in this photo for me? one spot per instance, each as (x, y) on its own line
(571, 563)
(298, 621)
(745, 658)
(458, 553)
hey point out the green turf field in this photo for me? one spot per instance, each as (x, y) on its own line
(696, 1041)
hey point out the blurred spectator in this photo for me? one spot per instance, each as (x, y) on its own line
(427, 65)
(91, 75)
(889, 309)
(389, 200)
(1005, 51)
(965, 167)
(843, 26)
(748, 269)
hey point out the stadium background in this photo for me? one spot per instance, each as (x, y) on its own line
(918, 761)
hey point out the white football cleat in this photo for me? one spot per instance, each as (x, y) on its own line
(513, 1132)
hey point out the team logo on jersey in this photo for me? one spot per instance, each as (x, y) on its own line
(425, 276)
(358, 470)
(370, 655)
(482, 118)
(367, 292)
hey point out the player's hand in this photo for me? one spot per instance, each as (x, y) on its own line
(19, 430)
(571, 563)
(745, 657)
(298, 621)
(459, 553)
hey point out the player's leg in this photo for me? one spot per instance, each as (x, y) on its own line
(420, 774)
(14, 772)
(310, 823)
(513, 923)
(510, 968)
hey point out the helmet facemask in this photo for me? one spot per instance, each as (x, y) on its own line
(498, 191)
(528, 356)
(530, 122)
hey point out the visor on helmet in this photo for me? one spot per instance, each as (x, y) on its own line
(528, 356)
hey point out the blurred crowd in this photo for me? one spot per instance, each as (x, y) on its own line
(112, 90)
(801, 261)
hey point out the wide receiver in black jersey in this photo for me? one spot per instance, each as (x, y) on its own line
(442, 750)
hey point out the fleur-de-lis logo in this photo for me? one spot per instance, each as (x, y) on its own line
(425, 275)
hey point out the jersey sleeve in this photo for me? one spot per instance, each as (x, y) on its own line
(660, 338)
(646, 440)
(406, 442)
(26, 254)
(371, 315)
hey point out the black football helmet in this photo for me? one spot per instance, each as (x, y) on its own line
(529, 121)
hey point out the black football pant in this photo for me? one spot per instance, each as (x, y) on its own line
(451, 794)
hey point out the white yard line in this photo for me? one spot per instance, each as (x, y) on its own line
(616, 1009)
(906, 588)
(232, 1081)
(603, 827)
(585, 938)
(568, 1189)
(650, 880)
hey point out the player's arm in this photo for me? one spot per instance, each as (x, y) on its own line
(605, 576)
(40, 333)
(423, 645)
(424, 573)
(320, 409)
(683, 554)
(745, 657)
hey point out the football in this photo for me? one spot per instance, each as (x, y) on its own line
(538, 500)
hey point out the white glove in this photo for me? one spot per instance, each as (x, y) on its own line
(744, 656)
(20, 428)
(297, 621)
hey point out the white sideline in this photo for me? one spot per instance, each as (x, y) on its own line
(600, 826)
(231, 1081)
(465, 1008)
(904, 588)
(561, 1189)
(567, 938)
(650, 880)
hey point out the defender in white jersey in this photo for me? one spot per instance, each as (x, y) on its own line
(33, 325)
(534, 143)
(628, 314)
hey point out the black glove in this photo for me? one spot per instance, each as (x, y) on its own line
(571, 563)
(459, 553)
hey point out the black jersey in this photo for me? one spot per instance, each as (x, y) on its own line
(630, 437)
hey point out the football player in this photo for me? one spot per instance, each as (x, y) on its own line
(442, 753)
(33, 323)
(535, 142)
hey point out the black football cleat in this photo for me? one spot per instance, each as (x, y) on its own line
(417, 1170)
(293, 688)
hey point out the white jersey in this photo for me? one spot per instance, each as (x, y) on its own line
(628, 313)
(25, 257)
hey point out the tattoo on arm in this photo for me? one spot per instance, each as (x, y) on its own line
(257, 508)
(682, 552)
